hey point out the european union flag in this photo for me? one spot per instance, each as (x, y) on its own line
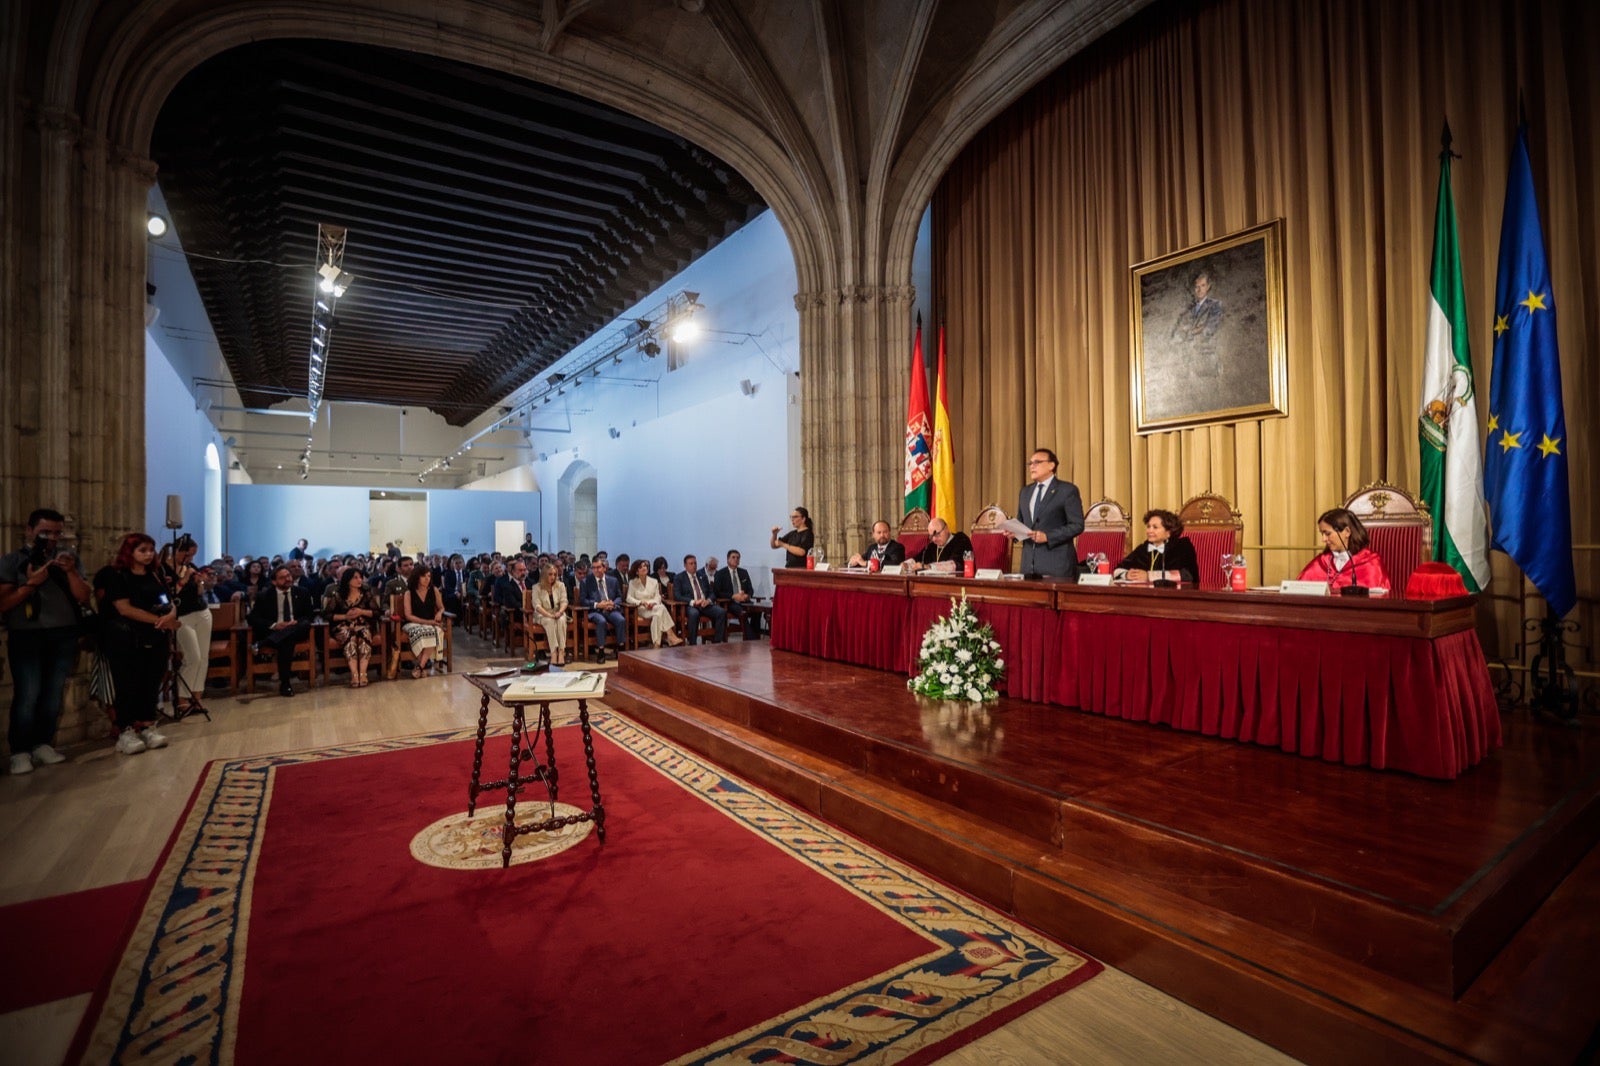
(1525, 470)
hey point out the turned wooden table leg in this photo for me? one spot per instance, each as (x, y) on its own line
(599, 810)
(510, 833)
(477, 757)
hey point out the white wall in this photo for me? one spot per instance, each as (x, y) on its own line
(401, 522)
(176, 435)
(457, 513)
(268, 519)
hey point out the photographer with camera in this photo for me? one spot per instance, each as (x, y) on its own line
(41, 589)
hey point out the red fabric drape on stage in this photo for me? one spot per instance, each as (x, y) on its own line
(1414, 704)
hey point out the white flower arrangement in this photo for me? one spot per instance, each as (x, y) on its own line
(959, 658)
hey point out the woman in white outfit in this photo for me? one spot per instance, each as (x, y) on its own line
(194, 621)
(550, 612)
(644, 596)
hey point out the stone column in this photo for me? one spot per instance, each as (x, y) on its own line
(855, 359)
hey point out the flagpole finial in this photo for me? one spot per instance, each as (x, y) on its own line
(1522, 109)
(1445, 154)
(919, 319)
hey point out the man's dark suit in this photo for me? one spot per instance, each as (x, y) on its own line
(593, 592)
(954, 551)
(264, 615)
(737, 579)
(1060, 516)
(891, 554)
(454, 587)
(683, 590)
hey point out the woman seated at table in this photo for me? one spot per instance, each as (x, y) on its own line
(351, 613)
(550, 612)
(1165, 555)
(1345, 559)
(644, 596)
(423, 613)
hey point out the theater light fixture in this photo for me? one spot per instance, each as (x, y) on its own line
(155, 225)
(687, 330)
(331, 285)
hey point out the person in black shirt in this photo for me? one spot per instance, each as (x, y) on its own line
(1166, 555)
(798, 542)
(137, 614)
(194, 621)
(944, 551)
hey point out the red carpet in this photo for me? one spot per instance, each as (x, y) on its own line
(63, 946)
(713, 920)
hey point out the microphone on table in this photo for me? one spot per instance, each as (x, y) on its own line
(1158, 555)
(1355, 588)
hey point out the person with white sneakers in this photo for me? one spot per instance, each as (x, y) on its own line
(137, 616)
(41, 589)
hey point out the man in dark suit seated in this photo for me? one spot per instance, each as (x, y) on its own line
(602, 594)
(454, 584)
(733, 585)
(280, 620)
(508, 589)
(883, 547)
(691, 589)
(401, 582)
(945, 551)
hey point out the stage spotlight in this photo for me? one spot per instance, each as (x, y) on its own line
(651, 350)
(687, 330)
(155, 225)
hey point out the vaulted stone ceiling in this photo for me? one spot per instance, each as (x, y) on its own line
(493, 222)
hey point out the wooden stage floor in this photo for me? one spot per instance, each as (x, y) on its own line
(1335, 912)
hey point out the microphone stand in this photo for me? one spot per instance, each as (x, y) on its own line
(1355, 588)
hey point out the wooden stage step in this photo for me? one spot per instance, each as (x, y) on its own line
(1337, 913)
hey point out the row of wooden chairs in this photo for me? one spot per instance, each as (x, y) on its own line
(234, 663)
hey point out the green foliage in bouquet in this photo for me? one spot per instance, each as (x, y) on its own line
(959, 659)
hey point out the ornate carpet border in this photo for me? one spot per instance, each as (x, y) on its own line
(179, 979)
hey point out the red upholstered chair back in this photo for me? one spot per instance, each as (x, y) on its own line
(913, 531)
(1214, 528)
(1400, 527)
(1106, 527)
(991, 550)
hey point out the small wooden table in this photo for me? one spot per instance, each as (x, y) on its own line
(524, 746)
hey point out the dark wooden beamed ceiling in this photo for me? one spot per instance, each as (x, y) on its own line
(493, 223)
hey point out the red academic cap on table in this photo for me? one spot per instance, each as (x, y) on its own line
(1435, 581)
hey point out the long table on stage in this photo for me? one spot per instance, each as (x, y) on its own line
(1387, 683)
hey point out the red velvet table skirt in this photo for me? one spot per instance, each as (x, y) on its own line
(1414, 704)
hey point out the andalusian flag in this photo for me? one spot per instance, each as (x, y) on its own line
(919, 435)
(1527, 468)
(944, 459)
(1452, 470)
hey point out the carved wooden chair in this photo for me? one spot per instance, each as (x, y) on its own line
(1400, 527)
(913, 531)
(1106, 528)
(1215, 529)
(991, 549)
(224, 659)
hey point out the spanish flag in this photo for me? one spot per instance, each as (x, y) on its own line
(944, 458)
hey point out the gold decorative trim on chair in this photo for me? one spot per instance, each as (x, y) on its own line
(1400, 526)
(1214, 528)
(1107, 528)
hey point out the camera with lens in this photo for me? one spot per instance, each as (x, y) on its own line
(41, 552)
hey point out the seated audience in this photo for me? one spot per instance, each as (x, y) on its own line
(402, 577)
(1345, 559)
(422, 612)
(280, 619)
(662, 575)
(691, 589)
(1165, 555)
(644, 596)
(602, 595)
(883, 548)
(352, 615)
(550, 612)
(733, 586)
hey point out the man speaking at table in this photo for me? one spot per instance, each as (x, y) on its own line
(1053, 512)
(884, 548)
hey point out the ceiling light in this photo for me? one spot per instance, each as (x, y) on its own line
(330, 274)
(686, 330)
(322, 305)
(155, 225)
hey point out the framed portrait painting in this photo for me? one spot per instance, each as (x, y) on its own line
(1208, 333)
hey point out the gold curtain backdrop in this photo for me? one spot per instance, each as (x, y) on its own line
(1195, 121)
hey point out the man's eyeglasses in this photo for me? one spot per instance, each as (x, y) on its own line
(1036, 462)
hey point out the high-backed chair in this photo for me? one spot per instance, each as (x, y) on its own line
(991, 549)
(913, 532)
(1215, 529)
(224, 658)
(1106, 527)
(1400, 527)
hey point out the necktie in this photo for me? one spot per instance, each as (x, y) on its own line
(288, 609)
(694, 583)
(1038, 495)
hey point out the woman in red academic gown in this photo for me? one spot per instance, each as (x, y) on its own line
(1345, 558)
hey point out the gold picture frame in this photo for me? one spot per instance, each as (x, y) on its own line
(1208, 333)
